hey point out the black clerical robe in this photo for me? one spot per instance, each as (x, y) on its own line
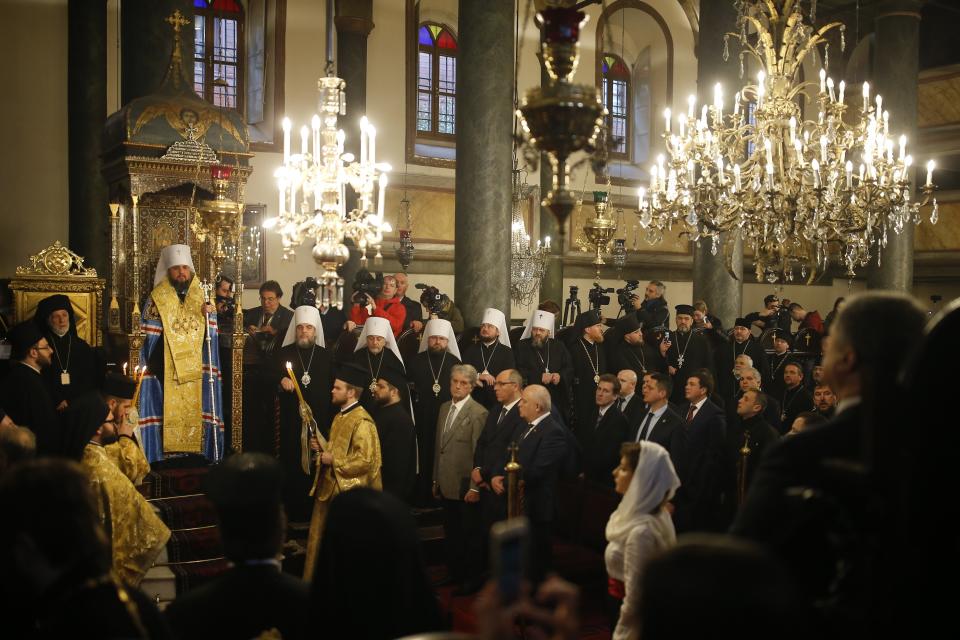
(317, 362)
(639, 358)
(794, 401)
(374, 363)
(25, 398)
(426, 370)
(600, 441)
(533, 362)
(332, 321)
(773, 382)
(259, 377)
(491, 359)
(589, 363)
(72, 356)
(398, 449)
(759, 435)
(726, 356)
(688, 352)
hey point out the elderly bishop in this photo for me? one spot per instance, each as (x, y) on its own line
(180, 401)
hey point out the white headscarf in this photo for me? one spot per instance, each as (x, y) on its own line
(444, 329)
(374, 326)
(653, 480)
(174, 255)
(541, 320)
(497, 319)
(305, 314)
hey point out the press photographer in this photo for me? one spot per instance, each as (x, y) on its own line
(439, 305)
(375, 297)
(627, 299)
(226, 305)
(597, 296)
(309, 292)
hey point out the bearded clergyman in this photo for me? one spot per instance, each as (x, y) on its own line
(180, 401)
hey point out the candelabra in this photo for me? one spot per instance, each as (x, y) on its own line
(561, 118)
(598, 231)
(783, 182)
(527, 259)
(218, 218)
(312, 186)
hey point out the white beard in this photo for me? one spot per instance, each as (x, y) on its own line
(60, 334)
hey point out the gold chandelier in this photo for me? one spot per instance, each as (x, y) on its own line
(802, 184)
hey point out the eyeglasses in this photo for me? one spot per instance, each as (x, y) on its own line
(502, 384)
(45, 348)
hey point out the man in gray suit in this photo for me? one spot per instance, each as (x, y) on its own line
(459, 425)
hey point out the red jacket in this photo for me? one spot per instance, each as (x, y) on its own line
(812, 321)
(389, 308)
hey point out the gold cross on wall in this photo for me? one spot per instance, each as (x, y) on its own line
(177, 20)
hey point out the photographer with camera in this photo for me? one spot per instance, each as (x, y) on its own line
(333, 320)
(627, 299)
(440, 306)
(375, 297)
(226, 306)
(773, 315)
(653, 311)
(414, 319)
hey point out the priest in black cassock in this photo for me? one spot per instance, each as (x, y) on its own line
(304, 353)
(743, 343)
(376, 351)
(75, 367)
(626, 348)
(543, 360)
(782, 354)
(490, 355)
(398, 438)
(430, 374)
(23, 394)
(589, 360)
(686, 352)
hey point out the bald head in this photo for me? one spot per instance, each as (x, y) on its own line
(628, 382)
(534, 402)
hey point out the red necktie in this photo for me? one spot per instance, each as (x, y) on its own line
(693, 410)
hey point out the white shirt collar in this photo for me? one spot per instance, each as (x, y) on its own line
(662, 410)
(603, 410)
(699, 405)
(459, 404)
(539, 419)
(349, 406)
(26, 364)
(510, 406)
(627, 399)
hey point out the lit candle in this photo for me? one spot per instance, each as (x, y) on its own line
(798, 145)
(863, 172)
(736, 177)
(691, 105)
(879, 105)
(823, 148)
(641, 193)
(849, 168)
(866, 96)
(691, 177)
(315, 124)
(830, 89)
(703, 116)
(718, 98)
(364, 123)
(653, 177)
(720, 169)
(930, 167)
(886, 122)
(546, 242)
(793, 130)
(768, 146)
(889, 146)
(373, 145)
(286, 140)
(816, 173)
(381, 193)
(823, 80)
(760, 94)
(666, 119)
(124, 369)
(843, 87)
(903, 147)
(736, 104)
(682, 119)
(304, 135)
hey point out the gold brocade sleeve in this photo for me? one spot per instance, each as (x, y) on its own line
(129, 458)
(363, 459)
(137, 534)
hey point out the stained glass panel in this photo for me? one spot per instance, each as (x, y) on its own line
(424, 37)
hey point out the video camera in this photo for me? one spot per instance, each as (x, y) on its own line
(365, 284)
(625, 294)
(597, 296)
(305, 293)
(436, 303)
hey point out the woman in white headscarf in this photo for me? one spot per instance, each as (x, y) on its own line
(641, 527)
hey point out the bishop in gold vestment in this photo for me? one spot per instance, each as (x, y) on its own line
(350, 459)
(180, 401)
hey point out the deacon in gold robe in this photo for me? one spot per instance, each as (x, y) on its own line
(137, 535)
(350, 459)
(118, 391)
(180, 402)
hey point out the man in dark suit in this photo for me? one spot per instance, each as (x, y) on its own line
(861, 364)
(414, 317)
(660, 423)
(752, 429)
(627, 349)
(750, 379)
(491, 454)
(700, 458)
(253, 597)
(602, 433)
(629, 402)
(543, 448)
(589, 360)
(796, 398)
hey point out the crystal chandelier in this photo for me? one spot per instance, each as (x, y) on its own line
(312, 186)
(527, 260)
(801, 187)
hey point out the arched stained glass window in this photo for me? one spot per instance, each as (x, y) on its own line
(436, 81)
(615, 78)
(218, 51)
